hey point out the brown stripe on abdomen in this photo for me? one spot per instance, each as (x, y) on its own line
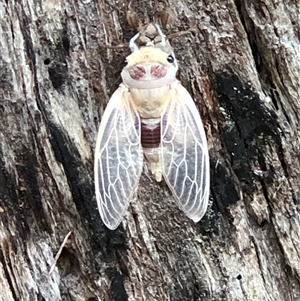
(150, 132)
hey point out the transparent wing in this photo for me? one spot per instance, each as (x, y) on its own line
(185, 154)
(118, 159)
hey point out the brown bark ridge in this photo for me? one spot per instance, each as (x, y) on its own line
(241, 66)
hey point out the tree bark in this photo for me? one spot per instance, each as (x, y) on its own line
(241, 66)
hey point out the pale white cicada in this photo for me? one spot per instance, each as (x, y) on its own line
(152, 115)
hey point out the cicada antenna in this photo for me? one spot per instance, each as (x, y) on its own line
(163, 37)
(132, 45)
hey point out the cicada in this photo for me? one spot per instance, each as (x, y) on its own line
(152, 116)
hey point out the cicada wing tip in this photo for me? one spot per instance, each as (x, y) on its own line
(111, 225)
(197, 216)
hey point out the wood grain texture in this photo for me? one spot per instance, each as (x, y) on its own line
(242, 68)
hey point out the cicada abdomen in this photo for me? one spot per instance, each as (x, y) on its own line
(152, 115)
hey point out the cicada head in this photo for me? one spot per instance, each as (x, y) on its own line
(148, 68)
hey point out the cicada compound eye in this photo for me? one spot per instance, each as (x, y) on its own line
(170, 59)
(124, 63)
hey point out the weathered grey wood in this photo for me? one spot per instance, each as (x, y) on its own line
(242, 68)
